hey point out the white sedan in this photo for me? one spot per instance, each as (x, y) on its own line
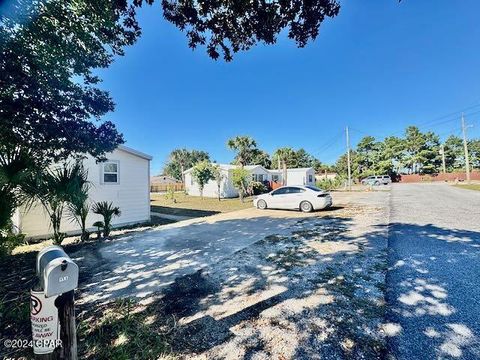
(305, 198)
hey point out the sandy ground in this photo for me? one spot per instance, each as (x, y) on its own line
(317, 292)
(259, 284)
(143, 262)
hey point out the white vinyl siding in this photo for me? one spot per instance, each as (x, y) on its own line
(131, 194)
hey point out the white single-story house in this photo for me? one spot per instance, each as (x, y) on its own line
(124, 179)
(295, 176)
(299, 176)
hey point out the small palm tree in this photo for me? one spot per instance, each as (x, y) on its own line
(16, 166)
(108, 211)
(79, 208)
(99, 225)
(55, 189)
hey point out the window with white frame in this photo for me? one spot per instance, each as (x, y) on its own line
(110, 172)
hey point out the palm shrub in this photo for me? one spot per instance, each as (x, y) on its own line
(55, 189)
(16, 165)
(79, 208)
(99, 225)
(108, 211)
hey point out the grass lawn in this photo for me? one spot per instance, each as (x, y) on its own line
(194, 206)
(469, 187)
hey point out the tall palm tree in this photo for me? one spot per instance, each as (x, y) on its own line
(284, 155)
(244, 146)
(55, 189)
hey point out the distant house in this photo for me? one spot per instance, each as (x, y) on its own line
(299, 176)
(163, 180)
(162, 183)
(123, 179)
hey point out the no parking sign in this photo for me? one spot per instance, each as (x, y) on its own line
(45, 325)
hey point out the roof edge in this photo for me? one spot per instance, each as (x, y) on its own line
(134, 152)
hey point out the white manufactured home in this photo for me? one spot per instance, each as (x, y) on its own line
(295, 176)
(303, 176)
(124, 180)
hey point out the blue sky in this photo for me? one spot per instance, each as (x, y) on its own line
(378, 67)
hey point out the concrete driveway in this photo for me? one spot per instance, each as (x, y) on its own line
(433, 290)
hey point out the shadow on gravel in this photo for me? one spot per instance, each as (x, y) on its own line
(433, 292)
(317, 291)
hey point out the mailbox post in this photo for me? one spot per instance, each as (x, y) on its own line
(52, 306)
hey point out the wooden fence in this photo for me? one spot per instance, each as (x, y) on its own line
(459, 176)
(165, 187)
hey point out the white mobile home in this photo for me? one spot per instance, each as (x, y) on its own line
(227, 190)
(303, 176)
(295, 176)
(123, 179)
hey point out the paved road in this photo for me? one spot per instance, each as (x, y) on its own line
(433, 292)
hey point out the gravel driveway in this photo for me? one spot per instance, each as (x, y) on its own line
(141, 263)
(433, 291)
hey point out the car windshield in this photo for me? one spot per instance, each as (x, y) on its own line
(314, 188)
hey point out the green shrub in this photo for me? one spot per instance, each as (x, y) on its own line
(257, 188)
(170, 194)
(9, 241)
(330, 184)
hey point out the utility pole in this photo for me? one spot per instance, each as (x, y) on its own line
(442, 151)
(348, 161)
(465, 147)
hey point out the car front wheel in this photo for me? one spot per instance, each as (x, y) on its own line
(306, 207)
(261, 204)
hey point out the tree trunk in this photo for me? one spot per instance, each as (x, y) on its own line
(183, 178)
(284, 173)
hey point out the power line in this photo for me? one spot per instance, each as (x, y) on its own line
(331, 142)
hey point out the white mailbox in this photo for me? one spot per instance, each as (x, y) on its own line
(58, 274)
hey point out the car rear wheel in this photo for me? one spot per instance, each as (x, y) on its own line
(261, 204)
(377, 183)
(305, 206)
